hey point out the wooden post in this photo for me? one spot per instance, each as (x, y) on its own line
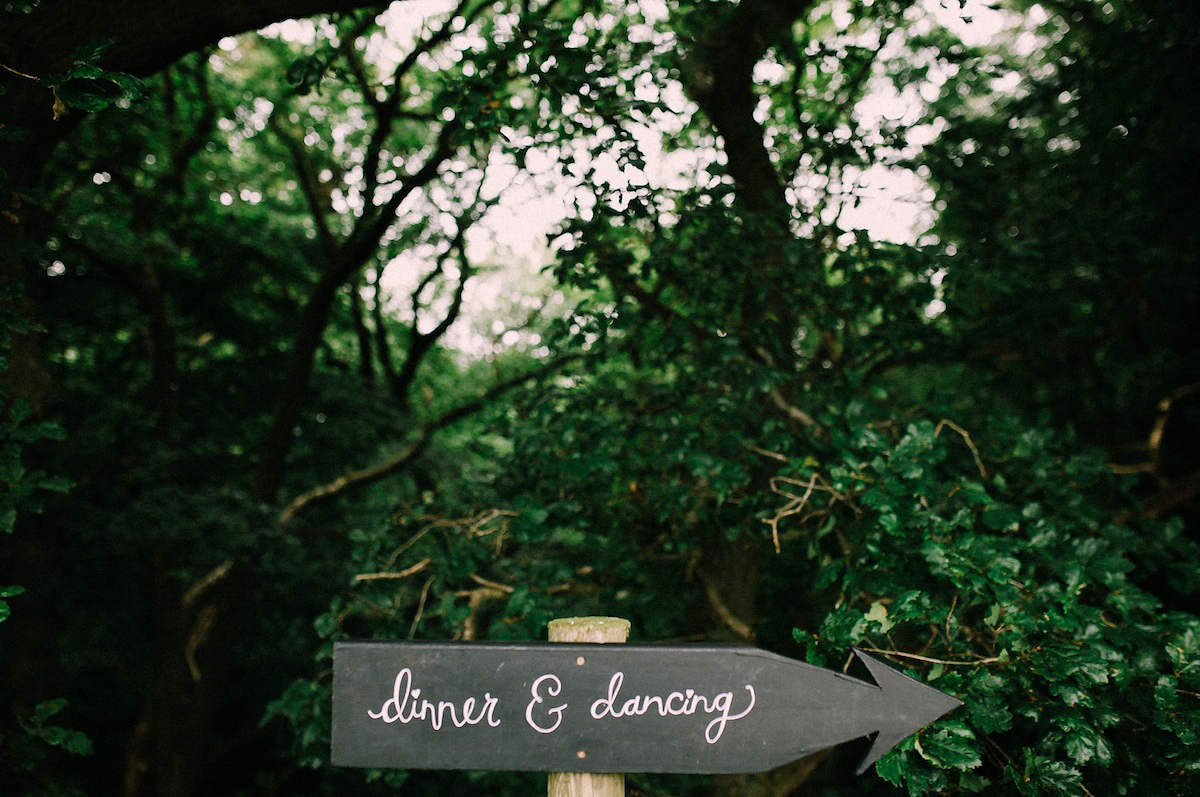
(587, 629)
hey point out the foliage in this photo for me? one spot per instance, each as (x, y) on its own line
(88, 87)
(1015, 587)
(37, 728)
(1101, 114)
(23, 489)
(728, 418)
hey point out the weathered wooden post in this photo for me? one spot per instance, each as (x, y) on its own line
(587, 629)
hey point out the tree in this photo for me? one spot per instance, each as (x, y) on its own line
(844, 430)
(749, 423)
(1102, 118)
(145, 219)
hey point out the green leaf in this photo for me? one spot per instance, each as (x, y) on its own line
(47, 709)
(951, 746)
(1001, 517)
(879, 614)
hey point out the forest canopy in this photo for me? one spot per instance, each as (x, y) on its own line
(806, 324)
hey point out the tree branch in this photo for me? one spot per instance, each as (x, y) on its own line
(146, 36)
(369, 230)
(348, 259)
(388, 109)
(318, 203)
(421, 343)
(366, 357)
(355, 478)
(185, 150)
(718, 73)
(383, 346)
(368, 476)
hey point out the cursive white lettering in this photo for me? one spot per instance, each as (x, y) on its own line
(406, 705)
(723, 703)
(553, 690)
(674, 704)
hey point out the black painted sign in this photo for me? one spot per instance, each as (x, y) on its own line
(608, 708)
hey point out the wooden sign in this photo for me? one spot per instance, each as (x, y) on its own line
(608, 708)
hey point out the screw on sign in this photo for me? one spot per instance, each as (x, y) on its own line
(593, 708)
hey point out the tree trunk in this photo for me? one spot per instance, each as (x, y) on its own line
(718, 72)
(170, 748)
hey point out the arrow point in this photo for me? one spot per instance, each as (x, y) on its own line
(906, 706)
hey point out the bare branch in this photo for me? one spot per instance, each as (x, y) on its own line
(412, 631)
(405, 573)
(318, 202)
(383, 346)
(345, 261)
(483, 582)
(214, 576)
(388, 109)
(793, 508)
(731, 621)
(371, 227)
(945, 662)
(199, 633)
(421, 343)
(366, 359)
(792, 411)
(967, 438)
(356, 478)
(368, 476)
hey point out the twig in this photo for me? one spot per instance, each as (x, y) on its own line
(19, 73)
(205, 584)
(411, 542)
(822, 485)
(797, 503)
(405, 573)
(483, 582)
(477, 526)
(967, 438)
(792, 411)
(792, 508)
(772, 454)
(412, 631)
(918, 657)
(199, 633)
(734, 623)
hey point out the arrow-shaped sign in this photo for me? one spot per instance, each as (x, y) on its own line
(608, 708)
